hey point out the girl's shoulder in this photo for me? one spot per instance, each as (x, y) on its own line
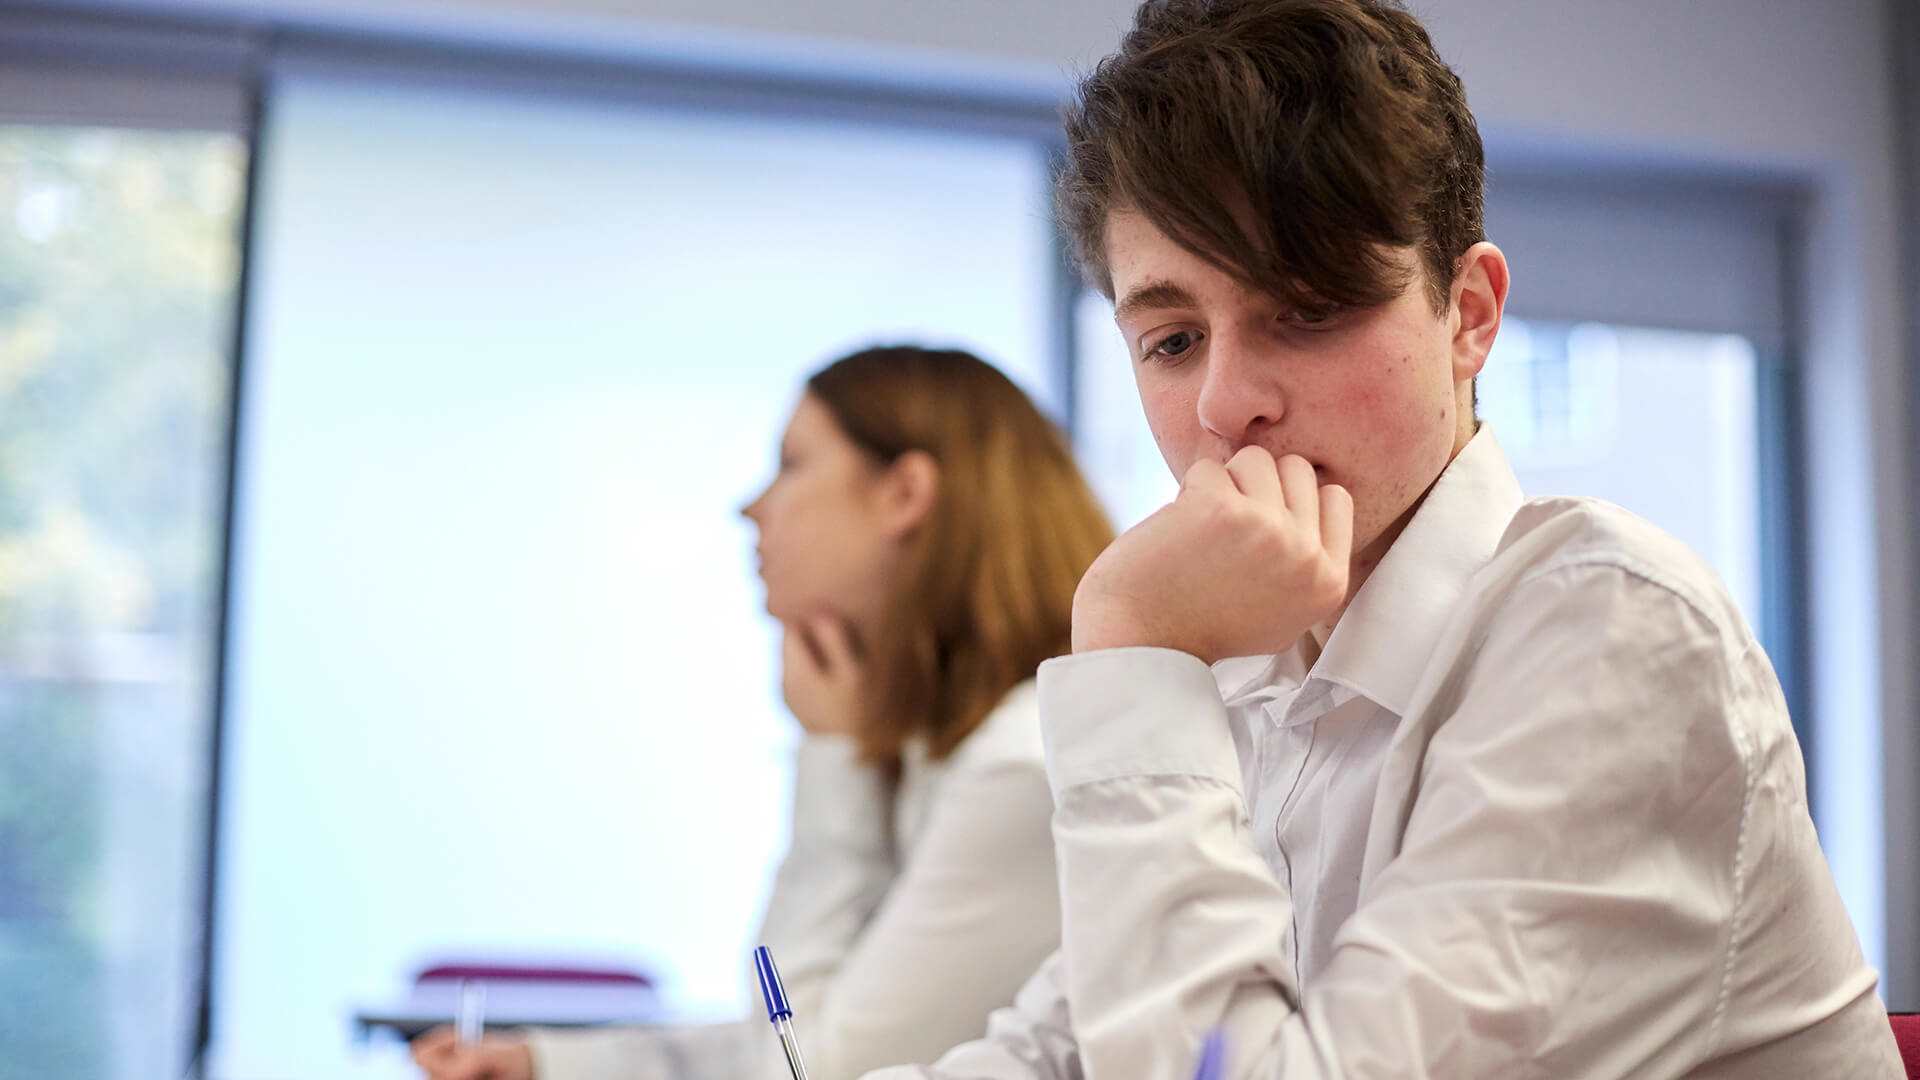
(1009, 736)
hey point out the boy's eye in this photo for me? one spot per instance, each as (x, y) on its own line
(1311, 318)
(1174, 345)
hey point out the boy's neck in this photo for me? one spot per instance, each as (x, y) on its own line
(1365, 562)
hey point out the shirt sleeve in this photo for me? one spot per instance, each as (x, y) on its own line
(1561, 902)
(633, 1053)
(974, 910)
(836, 873)
(882, 965)
(1030, 1040)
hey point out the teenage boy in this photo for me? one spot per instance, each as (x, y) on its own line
(1360, 758)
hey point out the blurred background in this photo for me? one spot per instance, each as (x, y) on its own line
(379, 382)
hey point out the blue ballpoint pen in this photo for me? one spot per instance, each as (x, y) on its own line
(1213, 1057)
(778, 1011)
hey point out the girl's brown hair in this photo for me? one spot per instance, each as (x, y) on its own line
(990, 591)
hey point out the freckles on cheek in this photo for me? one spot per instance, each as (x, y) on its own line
(1398, 409)
(1375, 426)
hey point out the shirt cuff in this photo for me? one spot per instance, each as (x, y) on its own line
(837, 798)
(1117, 713)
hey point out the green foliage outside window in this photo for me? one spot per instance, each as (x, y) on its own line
(118, 261)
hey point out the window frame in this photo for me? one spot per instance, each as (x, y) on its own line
(61, 70)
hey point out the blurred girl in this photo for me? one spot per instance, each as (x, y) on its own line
(920, 545)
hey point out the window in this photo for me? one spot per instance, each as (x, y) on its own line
(118, 268)
(1662, 422)
(500, 681)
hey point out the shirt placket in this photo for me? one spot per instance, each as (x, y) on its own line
(1294, 723)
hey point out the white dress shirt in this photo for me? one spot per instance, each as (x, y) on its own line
(1536, 810)
(901, 916)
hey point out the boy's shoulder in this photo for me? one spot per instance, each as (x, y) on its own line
(1592, 539)
(1588, 614)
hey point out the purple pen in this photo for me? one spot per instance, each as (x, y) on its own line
(1213, 1056)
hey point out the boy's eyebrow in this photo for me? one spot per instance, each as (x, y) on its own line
(1150, 295)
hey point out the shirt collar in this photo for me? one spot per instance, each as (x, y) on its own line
(1244, 677)
(1380, 645)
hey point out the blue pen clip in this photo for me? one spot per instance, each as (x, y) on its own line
(779, 1013)
(1213, 1056)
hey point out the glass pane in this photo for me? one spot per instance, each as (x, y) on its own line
(501, 684)
(117, 274)
(1662, 422)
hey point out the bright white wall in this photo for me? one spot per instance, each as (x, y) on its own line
(1799, 88)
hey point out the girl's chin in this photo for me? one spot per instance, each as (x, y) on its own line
(781, 607)
(787, 608)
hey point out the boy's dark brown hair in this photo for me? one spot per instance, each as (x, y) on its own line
(1291, 143)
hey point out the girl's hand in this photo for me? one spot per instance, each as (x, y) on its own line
(442, 1057)
(823, 675)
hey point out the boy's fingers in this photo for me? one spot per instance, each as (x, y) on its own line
(1254, 474)
(1207, 476)
(1301, 490)
(1336, 522)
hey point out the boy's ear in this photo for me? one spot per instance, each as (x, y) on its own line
(1479, 297)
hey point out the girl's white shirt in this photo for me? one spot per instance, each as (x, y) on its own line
(902, 915)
